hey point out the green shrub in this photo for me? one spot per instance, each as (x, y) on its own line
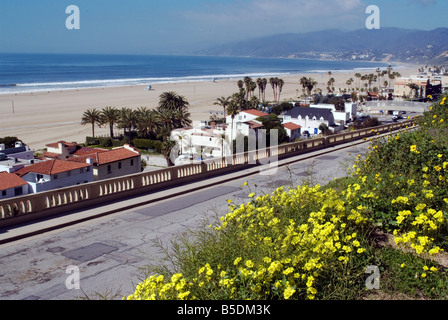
(146, 144)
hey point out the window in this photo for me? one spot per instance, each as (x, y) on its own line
(39, 177)
(109, 168)
(18, 191)
(81, 171)
(88, 169)
(132, 162)
(119, 165)
(55, 177)
(4, 193)
(69, 173)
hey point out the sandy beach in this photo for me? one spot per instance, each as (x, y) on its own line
(46, 117)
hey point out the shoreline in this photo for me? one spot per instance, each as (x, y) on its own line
(143, 81)
(46, 117)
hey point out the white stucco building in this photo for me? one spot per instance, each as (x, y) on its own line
(351, 109)
(293, 131)
(200, 139)
(11, 185)
(60, 150)
(244, 122)
(55, 174)
(311, 119)
(19, 152)
(108, 164)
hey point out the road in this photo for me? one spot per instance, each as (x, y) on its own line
(110, 251)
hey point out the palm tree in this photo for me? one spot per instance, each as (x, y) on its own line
(265, 84)
(91, 117)
(233, 110)
(273, 82)
(252, 88)
(350, 82)
(166, 118)
(224, 103)
(280, 84)
(240, 85)
(128, 121)
(303, 82)
(167, 147)
(260, 87)
(247, 83)
(172, 101)
(358, 75)
(308, 84)
(148, 122)
(181, 119)
(110, 116)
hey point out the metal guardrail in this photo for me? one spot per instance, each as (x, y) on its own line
(25, 208)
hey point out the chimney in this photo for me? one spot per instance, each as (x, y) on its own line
(89, 161)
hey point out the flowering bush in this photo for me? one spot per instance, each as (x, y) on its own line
(311, 242)
(408, 174)
(294, 241)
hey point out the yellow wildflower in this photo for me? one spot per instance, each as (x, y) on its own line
(288, 292)
(237, 261)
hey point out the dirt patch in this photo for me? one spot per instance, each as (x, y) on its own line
(382, 239)
(381, 295)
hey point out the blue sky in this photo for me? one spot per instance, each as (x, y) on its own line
(177, 26)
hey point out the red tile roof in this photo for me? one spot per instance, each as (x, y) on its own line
(64, 143)
(51, 155)
(255, 113)
(85, 151)
(10, 180)
(101, 157)
(254, 125)
(51, 167)
(291, 126)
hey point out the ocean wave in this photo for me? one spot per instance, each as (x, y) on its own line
(90, 84)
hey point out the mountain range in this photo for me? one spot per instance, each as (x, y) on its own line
(386, 45)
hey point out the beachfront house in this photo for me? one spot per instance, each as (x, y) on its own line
(55, 174)
(12, 185)
(416, 88)
(311, 119)
(244, 123)
(60, 150)
(293, 131)
(340, 117)
(201, 140)
(18, 153)
(108, 164)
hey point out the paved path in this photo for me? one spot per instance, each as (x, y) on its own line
(109, 251)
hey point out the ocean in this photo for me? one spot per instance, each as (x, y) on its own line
(23, 73)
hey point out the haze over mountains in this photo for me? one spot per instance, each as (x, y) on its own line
(386, 44)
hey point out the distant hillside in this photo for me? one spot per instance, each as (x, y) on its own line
(387, 44)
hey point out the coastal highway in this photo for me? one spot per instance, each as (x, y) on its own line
(110, 251)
